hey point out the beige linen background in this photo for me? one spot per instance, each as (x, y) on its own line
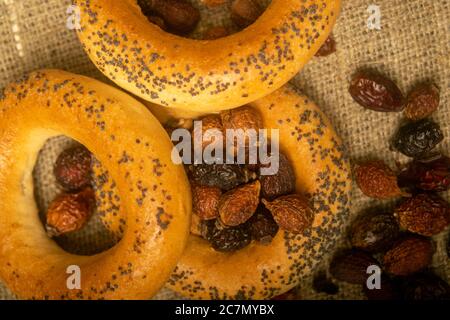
(412, 46)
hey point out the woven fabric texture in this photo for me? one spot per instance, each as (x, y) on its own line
(412, 46)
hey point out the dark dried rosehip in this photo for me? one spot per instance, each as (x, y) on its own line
(179, 15)
(230, 239)
(72, 169)
(329, 47)
(424, 214)
(376, 92)
(389, 290)
(425, 286)
(223, 176)
(374, 232)
(351, 266)
(245, 12)
(417, 138)
(262, 226)
(409, 255)
(422, 102)
(323, 284)
(209, 227)
(281, 183)
(377, 180)
(158, 21)
(428, 175)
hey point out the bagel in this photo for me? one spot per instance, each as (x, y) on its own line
(134, 148)
(204, 75)
(322, 172)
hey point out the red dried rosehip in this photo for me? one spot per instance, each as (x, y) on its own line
(422, 102)
(425, 214)
(377, 180)
(409, 255)
(351, 266)
(376, 92)
(72, 169)
(428, 175)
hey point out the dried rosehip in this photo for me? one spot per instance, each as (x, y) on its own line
(329, 47)
(321, 283)
(409, 255)
(426, 286)
(70, 212)
(351, 266)
(246, 122)
(262, 226)
(223, 176)
(72, 168)
(424, 214)
(377, 180)
(244, 118)
(376, 92)
(158, 21)
(292, 213)
(389, 290)
(229, 239)
(238, 205)
(374, 232)
(245, 12)
(179, 15)
(429, 174)
(212, 132)
(205, 201)
(417, 138)
(422, 102)
(281, 183)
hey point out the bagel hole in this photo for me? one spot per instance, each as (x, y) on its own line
(216, 19)
(93, 237)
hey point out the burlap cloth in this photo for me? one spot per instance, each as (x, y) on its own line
(412, 46)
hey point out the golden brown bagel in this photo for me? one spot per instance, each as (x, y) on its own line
(204, 75)
(322, 172)
(134, 148)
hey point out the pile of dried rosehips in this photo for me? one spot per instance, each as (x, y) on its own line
(234, 204)
(71, 210)
(400, 240)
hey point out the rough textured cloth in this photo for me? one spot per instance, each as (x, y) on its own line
(412, 46)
